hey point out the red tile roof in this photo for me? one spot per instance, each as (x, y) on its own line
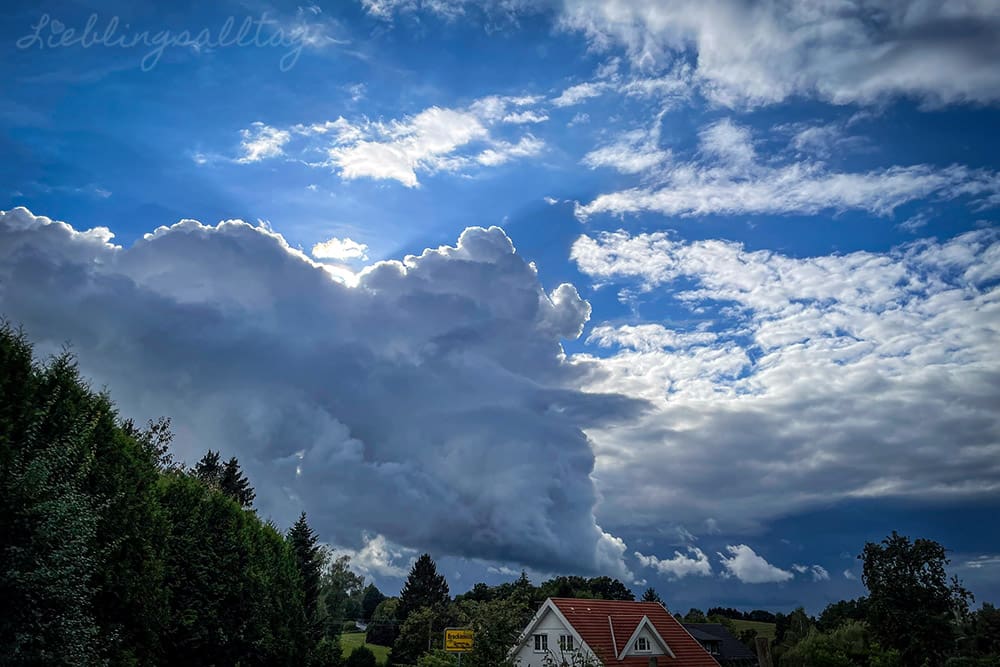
(590, 619)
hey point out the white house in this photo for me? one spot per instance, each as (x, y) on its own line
(629, 634)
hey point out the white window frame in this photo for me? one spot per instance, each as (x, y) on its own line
(566, 643)
(643, 645)
(541, 640)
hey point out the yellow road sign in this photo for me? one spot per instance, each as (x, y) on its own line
(458, 640)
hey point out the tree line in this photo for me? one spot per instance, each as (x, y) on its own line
(111, 553)
(913, 616)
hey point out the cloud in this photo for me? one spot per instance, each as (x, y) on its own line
(340, 249)
(580, 92)
(434, 140)
(262, 141)
(748, 567)
(982, 561)
(850, 576)
(747, 55)
(493, 14)
(375, 408)
(633, 152)
(826, 378)
(819, 573)
(728, 179)
(525, 117)
(680, 565)
(379, 558)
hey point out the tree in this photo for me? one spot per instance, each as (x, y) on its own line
(651, 596)
(838, 613)
(982, 633)
(384, 628)
(327, 653)
(695, 616)
(912, 607)
(424, 587)
(340, 592)
(361, 656)
(497, 623)
(48, 521)
(422, 631)
(209, 468)
(234, 484)
(309, 563)
(227, 477)
(371, 598)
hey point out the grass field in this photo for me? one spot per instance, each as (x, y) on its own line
(351, 640)
(763, 629)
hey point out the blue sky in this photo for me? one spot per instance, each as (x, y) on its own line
(739, 314)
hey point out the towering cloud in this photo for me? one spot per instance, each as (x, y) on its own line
(429, 404)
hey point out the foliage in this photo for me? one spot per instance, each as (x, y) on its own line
(424, 587)
(695, 616)
(650, 595)
(497, 624)
(439, 658)
(327, 653)
(362, 656)
(340, 593)
(384, 628)
(110, 553)
(912, 606)
(422, 631)
(371, 598)
(227, 477)
(602, 588)
(48, 535)
(571, 659)
(838, 613)
(308, 563)
(351, 640)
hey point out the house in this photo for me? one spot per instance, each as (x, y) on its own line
(724, 647)
(617, 633)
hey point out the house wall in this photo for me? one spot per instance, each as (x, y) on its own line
(549, 625)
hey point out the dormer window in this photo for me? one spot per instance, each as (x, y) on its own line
(541, 643)
(565, 642)
(642, 645)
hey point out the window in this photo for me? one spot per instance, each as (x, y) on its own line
(541, 643)
(642, 644)
(565, 642)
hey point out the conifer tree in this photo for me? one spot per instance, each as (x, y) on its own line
(234, 484)
(424, 587)
(309, 561)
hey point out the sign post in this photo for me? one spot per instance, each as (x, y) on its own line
(458, 640)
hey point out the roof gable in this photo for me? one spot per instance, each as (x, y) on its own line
(645, 624)
(548, 607)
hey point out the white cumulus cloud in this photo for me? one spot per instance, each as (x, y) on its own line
(375, 408)
(694, 563)
(750, 568)
(340, 249)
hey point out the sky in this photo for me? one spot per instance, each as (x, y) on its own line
(702, 295)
